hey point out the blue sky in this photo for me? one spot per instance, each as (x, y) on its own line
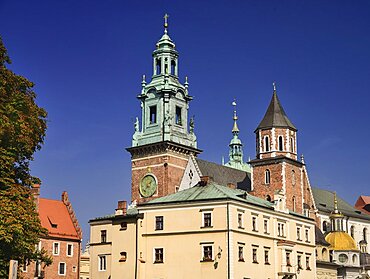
(87, 57)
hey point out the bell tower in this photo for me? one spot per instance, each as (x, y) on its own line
(276, 168)
(163, 142)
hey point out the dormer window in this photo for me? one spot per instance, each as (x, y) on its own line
(267, 177)
(281, 143)
(178, 116)
(153, 114)
(267, 144)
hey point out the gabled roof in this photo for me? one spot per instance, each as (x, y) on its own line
(56, 219)
(223, 175)
(211, 191)
(363, 204)
(324, 201)
(275, 116)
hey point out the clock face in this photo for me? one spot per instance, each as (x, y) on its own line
(148, 186)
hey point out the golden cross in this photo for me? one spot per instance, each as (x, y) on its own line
(166, 16)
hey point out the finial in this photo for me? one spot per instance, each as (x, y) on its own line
(186, 83)
(222, 160)
(143, 82)
(166, 16)
(274, 86)
(302, 158)
(335, 202)
(235, 118)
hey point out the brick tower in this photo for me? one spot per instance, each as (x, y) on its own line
(162, 145)
(276, 172)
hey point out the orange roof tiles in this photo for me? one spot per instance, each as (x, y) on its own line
(55, 218)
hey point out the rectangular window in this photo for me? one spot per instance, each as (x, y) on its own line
(254, 223)
(102, 262)
(159, 223)
(158, 255)
(153, 114)
(103, 236)
(241, 253)
(254, 255)
(287, 255)
(307, 233)
(281, 229)
(62, 269)
(240, 220)
(299, 261)
(178, 116)
(298, 233)
(266, 226)
(267, 260)
(56, 248)
(207, 219)
(69, 250)
(308, 263)
(207, 253)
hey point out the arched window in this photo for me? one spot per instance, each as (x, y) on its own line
(268, 198)
(364, 233)
(166, 66)
(294, 205)
(291, 144)
(293, 177)
(354, 259)
(281, 147)
(267, 144)
(325, 226)
(352, 232)
(267, 177)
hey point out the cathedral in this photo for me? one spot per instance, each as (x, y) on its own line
(191, 218)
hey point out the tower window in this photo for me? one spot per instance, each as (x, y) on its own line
(294, 204)
(166, 66)
(158, 66)
(173, 67)
(267, 177)
(178, 116)
(293, 177)
(291, 144)
(267, 144)
(281, 143)
(153, 114)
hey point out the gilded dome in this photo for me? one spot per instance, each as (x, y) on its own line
(341, 241)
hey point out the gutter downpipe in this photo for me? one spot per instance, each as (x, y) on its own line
(136, 248)
(228, 242)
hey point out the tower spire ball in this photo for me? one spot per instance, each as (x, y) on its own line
(166, 16)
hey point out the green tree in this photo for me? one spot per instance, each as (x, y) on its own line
(22, 132)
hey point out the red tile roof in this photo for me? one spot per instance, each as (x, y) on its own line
(56, 219)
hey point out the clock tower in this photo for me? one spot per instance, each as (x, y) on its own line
(163, 142)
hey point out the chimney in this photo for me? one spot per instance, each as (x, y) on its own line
(35, 191)
(121, 208)
(231, 185)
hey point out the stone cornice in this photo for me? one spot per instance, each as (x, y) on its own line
(274, 160)
(161, 147)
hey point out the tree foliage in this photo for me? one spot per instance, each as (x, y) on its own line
(22, 132)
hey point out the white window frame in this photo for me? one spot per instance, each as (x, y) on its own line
(266, 147)
(241, 245)
(307, 234)
(255, 221)
(65, 269)
(100, 266)
(58, 244)
(207, 211)
(69, 244)
(267, 177)
(204, 244)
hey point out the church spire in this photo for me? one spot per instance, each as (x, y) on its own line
(336, 217)
(236, 146)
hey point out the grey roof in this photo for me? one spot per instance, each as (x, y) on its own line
(275, 116)
(223, 175)
(324, 200)
(211, 191)
(320, 238)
